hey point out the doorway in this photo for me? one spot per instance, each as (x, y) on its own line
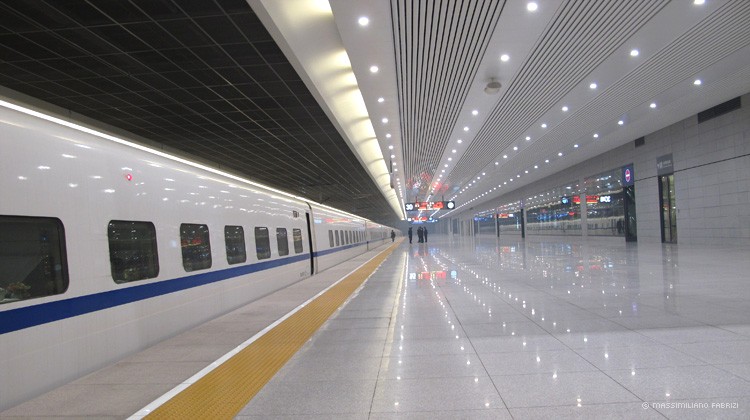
(631, 226)
(668, 207)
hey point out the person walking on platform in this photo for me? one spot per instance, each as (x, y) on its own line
(425, 235)
(420, 234)
(410, 234)
(393, 236)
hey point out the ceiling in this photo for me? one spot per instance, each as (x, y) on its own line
(455, 141)
(284, 91)
(199, 76)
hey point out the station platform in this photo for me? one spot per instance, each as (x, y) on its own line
(485, 327)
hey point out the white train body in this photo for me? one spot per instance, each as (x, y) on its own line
(50, 170)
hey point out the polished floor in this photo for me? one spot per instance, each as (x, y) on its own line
(543, 328)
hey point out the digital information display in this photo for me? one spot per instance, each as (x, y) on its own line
(430, 205)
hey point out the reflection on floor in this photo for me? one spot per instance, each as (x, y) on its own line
(542, 328)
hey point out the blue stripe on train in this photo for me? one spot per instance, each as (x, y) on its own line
(17, 319)
(30, 316)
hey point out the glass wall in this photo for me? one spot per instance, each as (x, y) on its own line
(509, 218)
(554, 212)
(485, 222)
(605, 210)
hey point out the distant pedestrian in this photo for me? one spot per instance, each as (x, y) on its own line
(410, 235)
(425, 235)
(393, 235)
(420, 234)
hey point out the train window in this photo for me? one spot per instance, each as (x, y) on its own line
(234, 239)
(349, 236)
(132, 250)
(32, 258)
(262, 243)
(337, 238)
(282, 241)
(330, 238)
(297, 236)
(346, 237)
(196, 246)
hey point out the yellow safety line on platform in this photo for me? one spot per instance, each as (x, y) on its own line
(224, 391)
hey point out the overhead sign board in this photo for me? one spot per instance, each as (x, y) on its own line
(430, 205)
(628, 175)
(664, 165)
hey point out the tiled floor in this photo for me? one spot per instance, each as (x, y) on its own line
(546, 328)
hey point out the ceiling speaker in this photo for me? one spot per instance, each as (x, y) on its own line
(492, 87)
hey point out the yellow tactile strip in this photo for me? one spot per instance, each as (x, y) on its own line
(224, 391)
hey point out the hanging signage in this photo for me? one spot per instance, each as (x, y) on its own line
(429, 205)
(628, 175)
(664, 165)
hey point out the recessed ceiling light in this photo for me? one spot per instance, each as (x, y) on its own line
(544, 125)
(559, 153)
(373, 69)
(698, 2)
(515, 147)
(475, 112)
(653, 105)
(621, 122)
(505, 156)
(388, 135)
(596, 136)
(504, 57)
(446, 165)
(385, 120)
(546, 160)
(564, 109)
(497, 163)
(466, 128)
(592, 86)
(443, 170)
(363, 21)
(381, 99)
(390, 147)
(634, 53)
(697, 82)
(453, 151)
(393, 156)
(536, 166)
(526, 171)
(528, 138)
(531, 6)
(575, 146)
(459, 141)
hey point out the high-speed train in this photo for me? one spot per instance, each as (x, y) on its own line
(108, 246)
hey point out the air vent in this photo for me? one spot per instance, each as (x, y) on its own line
(640, 141)
(720, 109)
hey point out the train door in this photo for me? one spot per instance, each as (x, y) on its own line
(631, 227)
(668, 208)
(310, 243)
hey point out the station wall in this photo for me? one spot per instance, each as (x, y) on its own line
(711, 179)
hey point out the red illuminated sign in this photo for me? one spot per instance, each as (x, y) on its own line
(590, 199)
(429, 205)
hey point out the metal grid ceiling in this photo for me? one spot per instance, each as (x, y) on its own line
(200, 76)
(582, 35)
(439, 45)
